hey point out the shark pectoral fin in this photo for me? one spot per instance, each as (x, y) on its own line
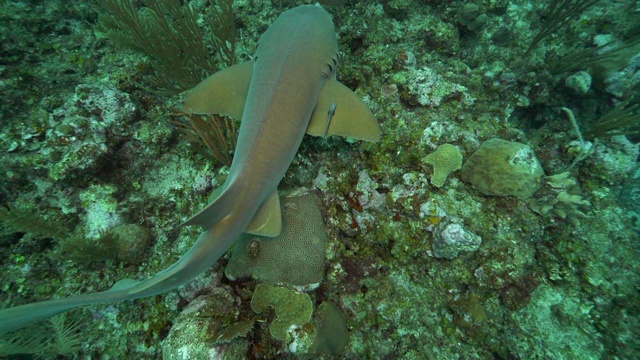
(268, 219)
(224, 92)
(340, 111)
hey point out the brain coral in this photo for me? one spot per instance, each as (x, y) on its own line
(503, 168)
(296, 257)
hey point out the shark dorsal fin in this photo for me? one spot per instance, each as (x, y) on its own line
(340, 112)
(224, 92)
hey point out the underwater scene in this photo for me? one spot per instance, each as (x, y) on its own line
(280, 179)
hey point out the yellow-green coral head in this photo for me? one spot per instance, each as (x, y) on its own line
(445, 160)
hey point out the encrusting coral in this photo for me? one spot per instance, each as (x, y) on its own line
(292, 308)
(445, 160)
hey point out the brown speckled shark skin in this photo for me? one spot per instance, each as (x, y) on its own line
(295, 58)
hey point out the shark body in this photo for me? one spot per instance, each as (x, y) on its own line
(289, 88)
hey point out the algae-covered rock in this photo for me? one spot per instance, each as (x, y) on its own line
(503, 168)
(451, 239)
(132, 241)
(195, 332)
(471, 17)
(94, 116)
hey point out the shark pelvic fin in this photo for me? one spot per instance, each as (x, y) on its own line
(268, 219)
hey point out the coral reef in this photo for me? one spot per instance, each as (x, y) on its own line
(88, 148)
(470, 17)
(127, 243)
(561, 198)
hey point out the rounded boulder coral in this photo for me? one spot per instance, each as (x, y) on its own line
(503, 168)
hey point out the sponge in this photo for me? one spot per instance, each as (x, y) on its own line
(503, 168)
